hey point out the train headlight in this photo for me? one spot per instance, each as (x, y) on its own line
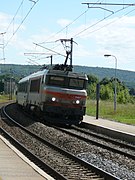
(53, 99)
(77, 102)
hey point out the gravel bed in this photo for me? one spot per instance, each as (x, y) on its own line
(64, 165)
(104, 142)
(113, 163)
(118, 165)
(109, 137)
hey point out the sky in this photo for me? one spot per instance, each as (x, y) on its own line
(31, 30)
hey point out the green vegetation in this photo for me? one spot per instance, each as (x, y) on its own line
(107, 87)
(17, 71)
(104, 76)
(125, 113)
(125, 101)
(127, 77)
(4, 98)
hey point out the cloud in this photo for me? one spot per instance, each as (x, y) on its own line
(118, 38)
(64, 22)
(4, 21)
(115, 36)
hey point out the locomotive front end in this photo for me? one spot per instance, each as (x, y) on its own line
(65, 96)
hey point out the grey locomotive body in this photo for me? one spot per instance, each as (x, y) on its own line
(59, 94)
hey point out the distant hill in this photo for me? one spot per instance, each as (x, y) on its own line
(128, 77)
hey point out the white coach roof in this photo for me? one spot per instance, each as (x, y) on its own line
(36, 74)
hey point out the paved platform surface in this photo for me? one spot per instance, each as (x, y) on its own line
(129, 129)
(12, 167)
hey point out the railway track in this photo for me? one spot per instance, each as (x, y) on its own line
(107, 139)
(58, 162)
(124, 149)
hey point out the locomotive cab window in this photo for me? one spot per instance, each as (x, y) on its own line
(76, 83)
(66, 82)
(55, 81)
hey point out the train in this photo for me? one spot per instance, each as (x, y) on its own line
(57, 94)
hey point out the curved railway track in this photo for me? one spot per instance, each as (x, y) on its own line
(58, 162)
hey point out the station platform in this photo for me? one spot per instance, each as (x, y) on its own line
(113, 125)
(15, 166)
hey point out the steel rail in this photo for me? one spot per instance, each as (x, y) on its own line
(31, 156)
(115, 150)
(104, 138)
(98, 171)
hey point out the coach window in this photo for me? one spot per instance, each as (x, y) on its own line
(22, 87)
(35, 85)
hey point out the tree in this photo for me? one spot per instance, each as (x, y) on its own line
(124, 96)
(107, 89)
(106, 92)
(104, 81)
(92, 79)
(91, 89)
(132, 91)
(1, 86)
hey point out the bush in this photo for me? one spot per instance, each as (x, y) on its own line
(107, 87)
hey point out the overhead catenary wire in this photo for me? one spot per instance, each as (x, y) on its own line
(34, 2)
(64, 27)
(77, 34)
(111, 22)
(87, 28)
(67, 25)
(49, 49)
(46, 41)
(110, 4)
(33, 61)
(15, 15)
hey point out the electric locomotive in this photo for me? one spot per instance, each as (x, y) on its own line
(57, 93)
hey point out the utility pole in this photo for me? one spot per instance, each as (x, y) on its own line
(115, 82)
(39, 53)
(68, 46)
(3, 46)
(97, 98)
(69, 49)
(50, 58)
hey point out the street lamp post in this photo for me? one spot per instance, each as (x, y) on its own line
(115, 86)
(3, 46)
